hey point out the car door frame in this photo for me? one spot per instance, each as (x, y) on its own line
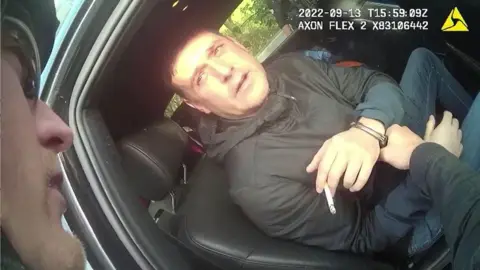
(111, 237)
(58, 79)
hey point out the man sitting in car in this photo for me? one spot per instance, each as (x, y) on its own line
(286, 131)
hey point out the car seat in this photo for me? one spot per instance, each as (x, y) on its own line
(211, 225)
(152, 158)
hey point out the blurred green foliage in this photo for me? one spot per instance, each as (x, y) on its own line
(175, 102)
(252, 24)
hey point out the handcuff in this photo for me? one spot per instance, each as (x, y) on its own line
(18, 39)
(382, 139)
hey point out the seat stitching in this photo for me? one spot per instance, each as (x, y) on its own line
(153, 160)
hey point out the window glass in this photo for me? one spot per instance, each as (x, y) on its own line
(252, 24)
(66, 10)
(63, 7)
(175, 102)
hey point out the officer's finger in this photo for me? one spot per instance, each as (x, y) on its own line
(455, 123)
(447, 118)
(430, 127)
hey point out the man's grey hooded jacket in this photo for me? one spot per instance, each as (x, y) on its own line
(265, 156)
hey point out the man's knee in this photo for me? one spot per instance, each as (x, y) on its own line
(422, 55)
(422, 59)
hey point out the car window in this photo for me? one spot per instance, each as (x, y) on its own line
(253, 25)
(173, 105)
(62, 8)
(66, 10)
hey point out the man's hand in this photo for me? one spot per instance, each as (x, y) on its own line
(351, 154)
(447, 133)
(401, 143)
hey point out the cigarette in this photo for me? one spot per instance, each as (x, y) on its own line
(331, 206)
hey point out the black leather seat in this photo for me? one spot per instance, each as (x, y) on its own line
(213, 226)
(210, 224)
(152, 158)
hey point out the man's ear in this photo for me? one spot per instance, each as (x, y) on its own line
(197, 107)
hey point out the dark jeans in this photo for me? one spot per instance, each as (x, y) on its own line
(428, 230)
(425, 81)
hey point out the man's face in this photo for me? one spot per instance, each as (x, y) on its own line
(217, 75)
(32, 206)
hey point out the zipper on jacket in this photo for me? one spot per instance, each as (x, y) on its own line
(286, 96)
(296, 110)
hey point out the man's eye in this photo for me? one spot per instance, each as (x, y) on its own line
(218, 50)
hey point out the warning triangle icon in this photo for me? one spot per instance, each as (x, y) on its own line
(455, 22)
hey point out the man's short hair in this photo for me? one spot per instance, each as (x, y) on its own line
(173, 50)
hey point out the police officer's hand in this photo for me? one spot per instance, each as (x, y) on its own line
(351, 154)
(447, 133)
(401, 143)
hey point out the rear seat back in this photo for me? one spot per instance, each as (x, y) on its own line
(212, 225)
(152, 158)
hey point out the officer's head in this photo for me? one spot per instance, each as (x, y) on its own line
(32, 206)
(215, 74)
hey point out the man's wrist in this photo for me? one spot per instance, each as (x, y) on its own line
(373, 124)
(375, 129)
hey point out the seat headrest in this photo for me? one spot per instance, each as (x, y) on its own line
(152, 158)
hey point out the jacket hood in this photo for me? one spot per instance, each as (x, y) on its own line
(220, 135)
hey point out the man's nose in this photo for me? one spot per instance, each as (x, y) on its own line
(52, 132)
(220, 69)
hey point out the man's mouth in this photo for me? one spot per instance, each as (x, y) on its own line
(242, 83)
(56, 202)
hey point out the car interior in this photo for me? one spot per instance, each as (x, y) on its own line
(184, 193)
